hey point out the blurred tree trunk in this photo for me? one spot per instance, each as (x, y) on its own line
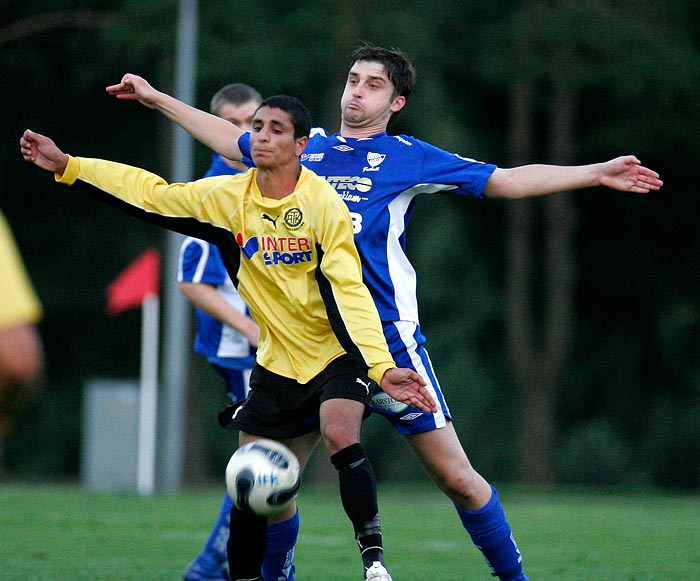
(539, 316)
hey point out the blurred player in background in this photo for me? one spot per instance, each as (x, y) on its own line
(21, 352)
(227, 336)
(378, 175)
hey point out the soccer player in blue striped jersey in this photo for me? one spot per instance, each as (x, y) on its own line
(379, 175)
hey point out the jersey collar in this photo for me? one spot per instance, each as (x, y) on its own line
(342, 139)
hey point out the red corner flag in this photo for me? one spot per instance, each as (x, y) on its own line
(138, 281)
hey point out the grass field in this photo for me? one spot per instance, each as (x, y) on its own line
(64, 533)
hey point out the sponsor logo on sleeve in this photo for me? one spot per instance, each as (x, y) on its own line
(402, 140)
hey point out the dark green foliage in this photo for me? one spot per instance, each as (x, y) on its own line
(629, 399)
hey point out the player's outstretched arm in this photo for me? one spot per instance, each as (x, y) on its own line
(205, 297)
(214, 132)
(407, 386)
(42, 152)
(624, 173)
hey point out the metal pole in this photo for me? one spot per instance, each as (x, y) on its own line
(148, 398)
(176, 342)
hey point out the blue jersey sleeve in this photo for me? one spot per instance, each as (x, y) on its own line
(201, 262)
(219, 167)
(468, 176)
(244, 146)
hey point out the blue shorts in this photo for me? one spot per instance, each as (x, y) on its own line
(236, 380)
(406, 345)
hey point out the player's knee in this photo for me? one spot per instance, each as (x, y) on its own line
(337, 436)
(462, 484)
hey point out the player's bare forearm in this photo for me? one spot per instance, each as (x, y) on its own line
(623, 173)
(214, 132)
(407, 386)
(207, 298)
(42, 152)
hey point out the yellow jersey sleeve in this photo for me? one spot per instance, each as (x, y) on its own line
(18, 301)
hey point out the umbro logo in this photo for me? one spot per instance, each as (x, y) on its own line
(411, 416)
(343, 147)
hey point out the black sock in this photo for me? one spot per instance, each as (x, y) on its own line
(358, 492)
(247, 543)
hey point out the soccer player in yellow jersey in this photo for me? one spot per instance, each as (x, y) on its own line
(300, 275)
(21, 355)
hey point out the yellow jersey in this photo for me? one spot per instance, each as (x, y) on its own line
(299, 272)
(19, 304)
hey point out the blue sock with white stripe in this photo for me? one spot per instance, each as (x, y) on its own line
(281, 539)
(491, 533)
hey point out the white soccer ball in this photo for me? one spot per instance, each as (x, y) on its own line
(263, 477)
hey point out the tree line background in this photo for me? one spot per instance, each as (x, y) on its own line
(565, 330)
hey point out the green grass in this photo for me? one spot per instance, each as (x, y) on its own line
(64, 533)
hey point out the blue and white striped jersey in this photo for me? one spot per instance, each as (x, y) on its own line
(221, 344)
(379, 178)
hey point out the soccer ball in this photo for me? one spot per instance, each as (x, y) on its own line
(263, 477)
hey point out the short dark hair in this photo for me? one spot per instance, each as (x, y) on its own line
(298, 113)
(235, 94)
(398, 67)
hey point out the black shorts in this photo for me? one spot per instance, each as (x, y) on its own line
(279, 407)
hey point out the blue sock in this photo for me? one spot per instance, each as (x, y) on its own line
(281, 539)
(491, 533)
(213, 554)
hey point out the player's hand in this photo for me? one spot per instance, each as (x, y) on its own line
(405, 385)
(627, 174)
(42, 152)
(134, 88)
